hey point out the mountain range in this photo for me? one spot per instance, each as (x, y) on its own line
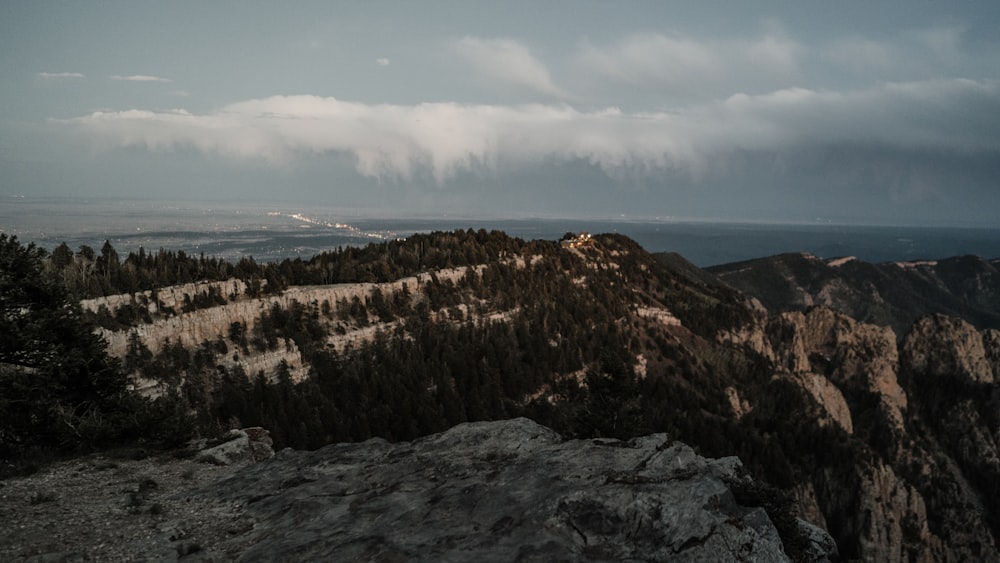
(864, 396)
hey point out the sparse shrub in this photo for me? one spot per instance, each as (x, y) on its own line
(148, 484)
(779, 507)
(185, 549)
(42, 497)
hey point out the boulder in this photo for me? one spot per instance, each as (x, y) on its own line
(248, 445)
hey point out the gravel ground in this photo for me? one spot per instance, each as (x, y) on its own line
(108, 507)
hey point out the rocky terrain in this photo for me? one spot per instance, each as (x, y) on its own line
(869, 395)
(497, 491)
(911, 404)
(171, 322)
(893, 294)
(128, 505)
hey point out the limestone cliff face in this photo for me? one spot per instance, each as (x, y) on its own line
(924, 492)
(991, 342)
(175, 322)
(885, 517)
(852, 356)
(168, 298)
(192, 328)
(950, 347)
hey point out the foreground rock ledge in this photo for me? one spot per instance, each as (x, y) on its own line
(498, 491)
(491, 491)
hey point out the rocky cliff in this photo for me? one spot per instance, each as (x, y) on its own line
(886, 434)
(497, 491)
(893, 294)
(926, 409)
(172, 320)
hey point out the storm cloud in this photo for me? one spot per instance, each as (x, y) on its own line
(760, 111)
(403, 142)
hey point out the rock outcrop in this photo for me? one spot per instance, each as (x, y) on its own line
(240, 445)
(949, 347)
(174, 320)
(496, 491)
(934, 453)
(893, 294)
(500, 491)
(851, 355)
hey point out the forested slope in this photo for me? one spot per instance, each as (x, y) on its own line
(597, 339)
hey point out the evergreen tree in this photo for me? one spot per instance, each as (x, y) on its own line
(58, 387)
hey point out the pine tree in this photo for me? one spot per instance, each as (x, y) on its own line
(58, 387)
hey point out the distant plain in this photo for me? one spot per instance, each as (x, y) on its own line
(270, 231)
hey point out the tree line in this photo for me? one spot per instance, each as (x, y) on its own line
(87, 273)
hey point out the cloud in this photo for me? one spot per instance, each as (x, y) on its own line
(691, 64)
(139, 78)
(382, 61)
(57, 75)
(507, 61)
(437, 140)
(943, 43)
(930, 52)
(180, 93)
(860, 54)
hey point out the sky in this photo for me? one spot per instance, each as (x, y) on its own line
(859, 112)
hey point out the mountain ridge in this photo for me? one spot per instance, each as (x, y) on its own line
(606, 341)
(894, 294)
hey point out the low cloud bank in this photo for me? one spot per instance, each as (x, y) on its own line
(401, 142)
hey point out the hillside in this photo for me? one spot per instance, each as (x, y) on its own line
(893, 294)
(408, 338)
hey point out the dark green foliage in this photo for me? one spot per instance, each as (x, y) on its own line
(438, 369)
(89, 274)
(58, 388)
(42, 497)
(961, 413)
(534, 329)
(779, 507)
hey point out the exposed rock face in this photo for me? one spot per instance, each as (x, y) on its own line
(926, 493)
(168, 298)
(925, 405)
(892, 519)
(946, 346)
(194, 328)
(921, 498)
(991, 341)
(249, 444)
(890, 294)
(829, 397)
(499, 491)
(849, 354)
